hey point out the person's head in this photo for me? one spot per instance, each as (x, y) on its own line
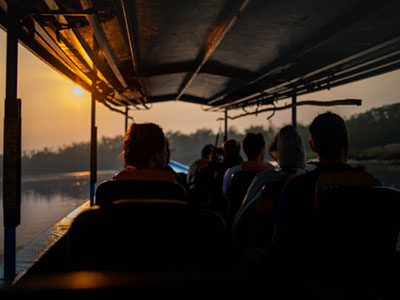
(206, 150)
(230, 148)
(329, 138)
(287, 149)
(145, 146)
(254, 146)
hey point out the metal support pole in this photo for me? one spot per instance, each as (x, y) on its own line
(226, 125)
(294, 109)
(12, 146)
(93, 151)
(126, 118)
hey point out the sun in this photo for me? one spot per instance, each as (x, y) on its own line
(78, 91)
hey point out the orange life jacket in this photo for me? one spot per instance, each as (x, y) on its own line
(332, 179)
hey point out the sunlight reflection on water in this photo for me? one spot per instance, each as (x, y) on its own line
(47, 199)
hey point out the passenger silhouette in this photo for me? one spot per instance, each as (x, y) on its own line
(145, 154)
(230, 158)
(179, 177)
(195, 167)
(198, 177)
(317, 231)
(253, 225)
(329, 140)
(237, 179)
(142, 221)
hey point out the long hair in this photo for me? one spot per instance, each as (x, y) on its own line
(288, 148)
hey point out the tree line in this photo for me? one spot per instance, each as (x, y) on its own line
(374, 129)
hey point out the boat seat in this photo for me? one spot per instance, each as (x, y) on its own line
(240, 182)
(355, 234)
(254, 226)
(147, 235)
(113, 190)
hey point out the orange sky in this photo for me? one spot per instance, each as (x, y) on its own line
(53, 115)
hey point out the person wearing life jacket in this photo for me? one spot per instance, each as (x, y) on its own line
(145, 154)
(329, 140)
(254, 147)
(295, 239)
(253, 225)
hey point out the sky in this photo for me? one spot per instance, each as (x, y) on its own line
(55, 114)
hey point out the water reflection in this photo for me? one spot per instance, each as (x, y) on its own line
(388, 172)
(66, 185)
(45, 200)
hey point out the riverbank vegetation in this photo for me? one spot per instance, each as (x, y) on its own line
(374, 135)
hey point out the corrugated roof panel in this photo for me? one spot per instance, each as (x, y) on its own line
(227, 53)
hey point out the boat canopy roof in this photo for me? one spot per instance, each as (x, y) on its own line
(222, 54)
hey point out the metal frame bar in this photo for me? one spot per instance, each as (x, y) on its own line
(93, 150)
(104, 46)
(299, 80)
(52, 44)
(213, 42)
(12, 146)
(60, 52)
(294, 108)
(126, 118)
(126, 9)
(301, 90)
(346, 21)
(226, 125)
(301, 103)
(79, 51)
(99, 67)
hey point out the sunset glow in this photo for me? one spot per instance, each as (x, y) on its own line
(78, 91)
(53, 116)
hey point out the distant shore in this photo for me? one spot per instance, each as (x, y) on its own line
(390, 152)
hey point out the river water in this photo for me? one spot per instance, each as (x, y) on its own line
(47, 199)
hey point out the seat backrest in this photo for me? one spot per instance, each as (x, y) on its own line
(113, 190)
(355, 232)
(147, 234)
(254, 226)
(342, 178)
(240, 183)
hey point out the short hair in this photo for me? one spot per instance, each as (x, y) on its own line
(231, 147)
(141, 143)
(206, 150)
(253, 143)
(329, 134)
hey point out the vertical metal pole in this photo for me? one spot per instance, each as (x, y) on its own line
(93, 150)
(126, 118)
(12, 146)
(93, 131)
(226, 125)
(294, 109)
